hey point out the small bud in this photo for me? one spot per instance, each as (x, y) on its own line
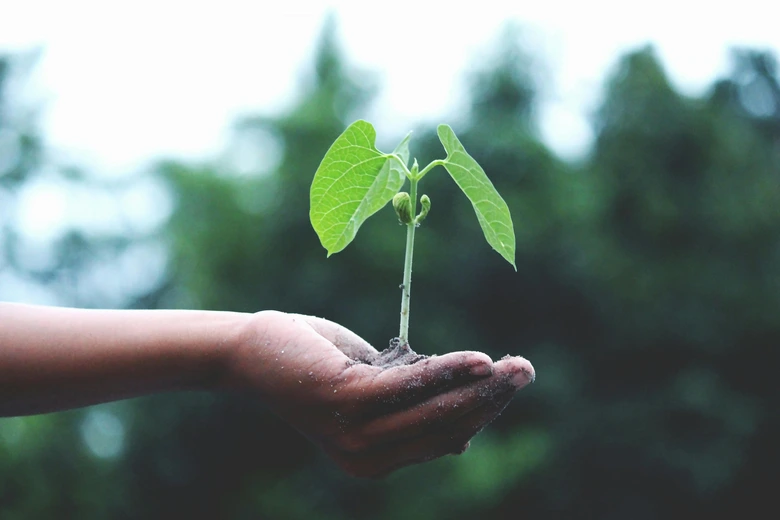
(425, 202)
(415, 167)
(402, 204)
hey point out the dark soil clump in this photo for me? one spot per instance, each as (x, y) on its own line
(396, 355)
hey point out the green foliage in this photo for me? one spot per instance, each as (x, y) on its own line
(492, 212)
(354, 181)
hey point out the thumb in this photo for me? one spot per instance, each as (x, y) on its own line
(349, 343)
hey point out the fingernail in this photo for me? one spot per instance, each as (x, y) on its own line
(524, 377)
(481, 370)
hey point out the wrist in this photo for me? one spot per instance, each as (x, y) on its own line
(245, 340)
(252, 350)
(228, 333)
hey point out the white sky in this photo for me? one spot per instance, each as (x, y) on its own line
(124, 82)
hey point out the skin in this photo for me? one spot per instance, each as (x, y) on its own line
(370, 421)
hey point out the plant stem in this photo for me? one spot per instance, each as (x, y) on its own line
(431, 166)
(406, 287)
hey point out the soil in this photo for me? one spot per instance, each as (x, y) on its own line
(395, 355)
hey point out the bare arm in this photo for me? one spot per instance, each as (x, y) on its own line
(57, 358)
(369, 420)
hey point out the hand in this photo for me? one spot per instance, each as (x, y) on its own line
(370, 421)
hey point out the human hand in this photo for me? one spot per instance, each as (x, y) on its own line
(370, 421)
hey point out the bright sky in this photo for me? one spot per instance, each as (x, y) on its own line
(124, 82)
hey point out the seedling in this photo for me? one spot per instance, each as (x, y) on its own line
(355, 180)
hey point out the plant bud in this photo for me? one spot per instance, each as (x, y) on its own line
(425, 202)
(402, 204)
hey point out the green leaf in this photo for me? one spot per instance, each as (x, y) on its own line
(492, 212)
(354, 181)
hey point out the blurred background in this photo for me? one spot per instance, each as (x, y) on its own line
(159, 156)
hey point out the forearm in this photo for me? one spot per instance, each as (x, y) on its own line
(57, 358)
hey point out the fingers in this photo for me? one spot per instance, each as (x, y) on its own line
(444, 441)
(519, 369)
(352, 345)
(404, 386)
(444, 409)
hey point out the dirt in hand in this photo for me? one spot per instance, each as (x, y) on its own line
(395, 355)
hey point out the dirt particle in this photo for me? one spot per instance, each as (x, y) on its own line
(395, 355)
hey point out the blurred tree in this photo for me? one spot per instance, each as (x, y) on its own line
(753, 90)
(683, 272)
(20, 154)
(646, 296)
(64, 464)
(21, 144)
(44, 465)
(53, 249)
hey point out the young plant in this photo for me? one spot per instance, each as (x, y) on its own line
(355, 180)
